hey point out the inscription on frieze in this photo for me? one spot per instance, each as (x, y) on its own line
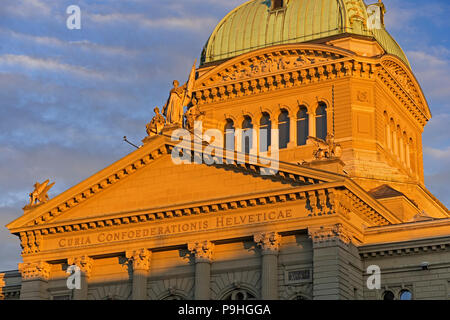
(166, 229)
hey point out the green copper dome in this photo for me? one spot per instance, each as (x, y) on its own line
(255, 25)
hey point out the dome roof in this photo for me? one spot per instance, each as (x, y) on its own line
(253, 25)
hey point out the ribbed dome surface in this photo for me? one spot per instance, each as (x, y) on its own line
(253, 25)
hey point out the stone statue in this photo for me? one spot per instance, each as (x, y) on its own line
(179, 97)
(173, 109)
(193, 114)
(40, 193)
(325, 149)
(156, 125)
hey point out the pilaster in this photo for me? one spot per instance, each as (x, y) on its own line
(202, 252)
(140, 260)
(84, 263)
(35, 278)
(269, 242)
(337, 267)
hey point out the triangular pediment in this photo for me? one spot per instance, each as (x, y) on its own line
(148, 179)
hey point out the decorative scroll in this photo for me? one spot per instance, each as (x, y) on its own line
(35, 271)
(269, 242)
(330, 233)
(84, 263)
(140, 259)
(202, 250)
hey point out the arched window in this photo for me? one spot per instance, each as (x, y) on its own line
(405, 295)
(388, 295)
(321, 121)
(247, 135)
(239, 294)
(265, 129)
(229, 135)
(283, 129)
(302, 126)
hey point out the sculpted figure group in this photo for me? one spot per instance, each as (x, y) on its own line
(173, 110)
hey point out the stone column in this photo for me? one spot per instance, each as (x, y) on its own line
(337, 266)
(140, 259)
(35, 278)
(270, 244)
(292, 131)
(312, 123)
(202, 251)
(85, 264)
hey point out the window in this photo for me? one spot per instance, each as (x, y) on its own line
(405, 295)
(321, 121)
(283, 128)
(247, 135)
(229, 135)
(265, 129)
(388, 295)
(302, 126)
(239, 294)
(277, 4)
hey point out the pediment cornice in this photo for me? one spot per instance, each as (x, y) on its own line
(160, 146)
(340, 198)
(322, 191)
(404, 85)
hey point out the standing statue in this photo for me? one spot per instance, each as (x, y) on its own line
(156, 125)
(40, 193)
(178, 99)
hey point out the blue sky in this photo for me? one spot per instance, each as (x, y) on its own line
(67, 97)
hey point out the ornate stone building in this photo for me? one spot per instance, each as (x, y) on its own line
(347, 193)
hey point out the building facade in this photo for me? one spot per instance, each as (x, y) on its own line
(320, 177)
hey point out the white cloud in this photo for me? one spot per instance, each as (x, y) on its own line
(27, 8)
(46, 64)
(82, 44)
(438, 154)
(191, 23)
(432, 69)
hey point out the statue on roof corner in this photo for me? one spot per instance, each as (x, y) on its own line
(155, 126)
(40, 193)
(327, 149)
(179, 97)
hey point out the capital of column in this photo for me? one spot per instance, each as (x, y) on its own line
(202, 250)
(140, 259)
(83, 262)
(329, 233)
(269, 242)
(35, 270)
